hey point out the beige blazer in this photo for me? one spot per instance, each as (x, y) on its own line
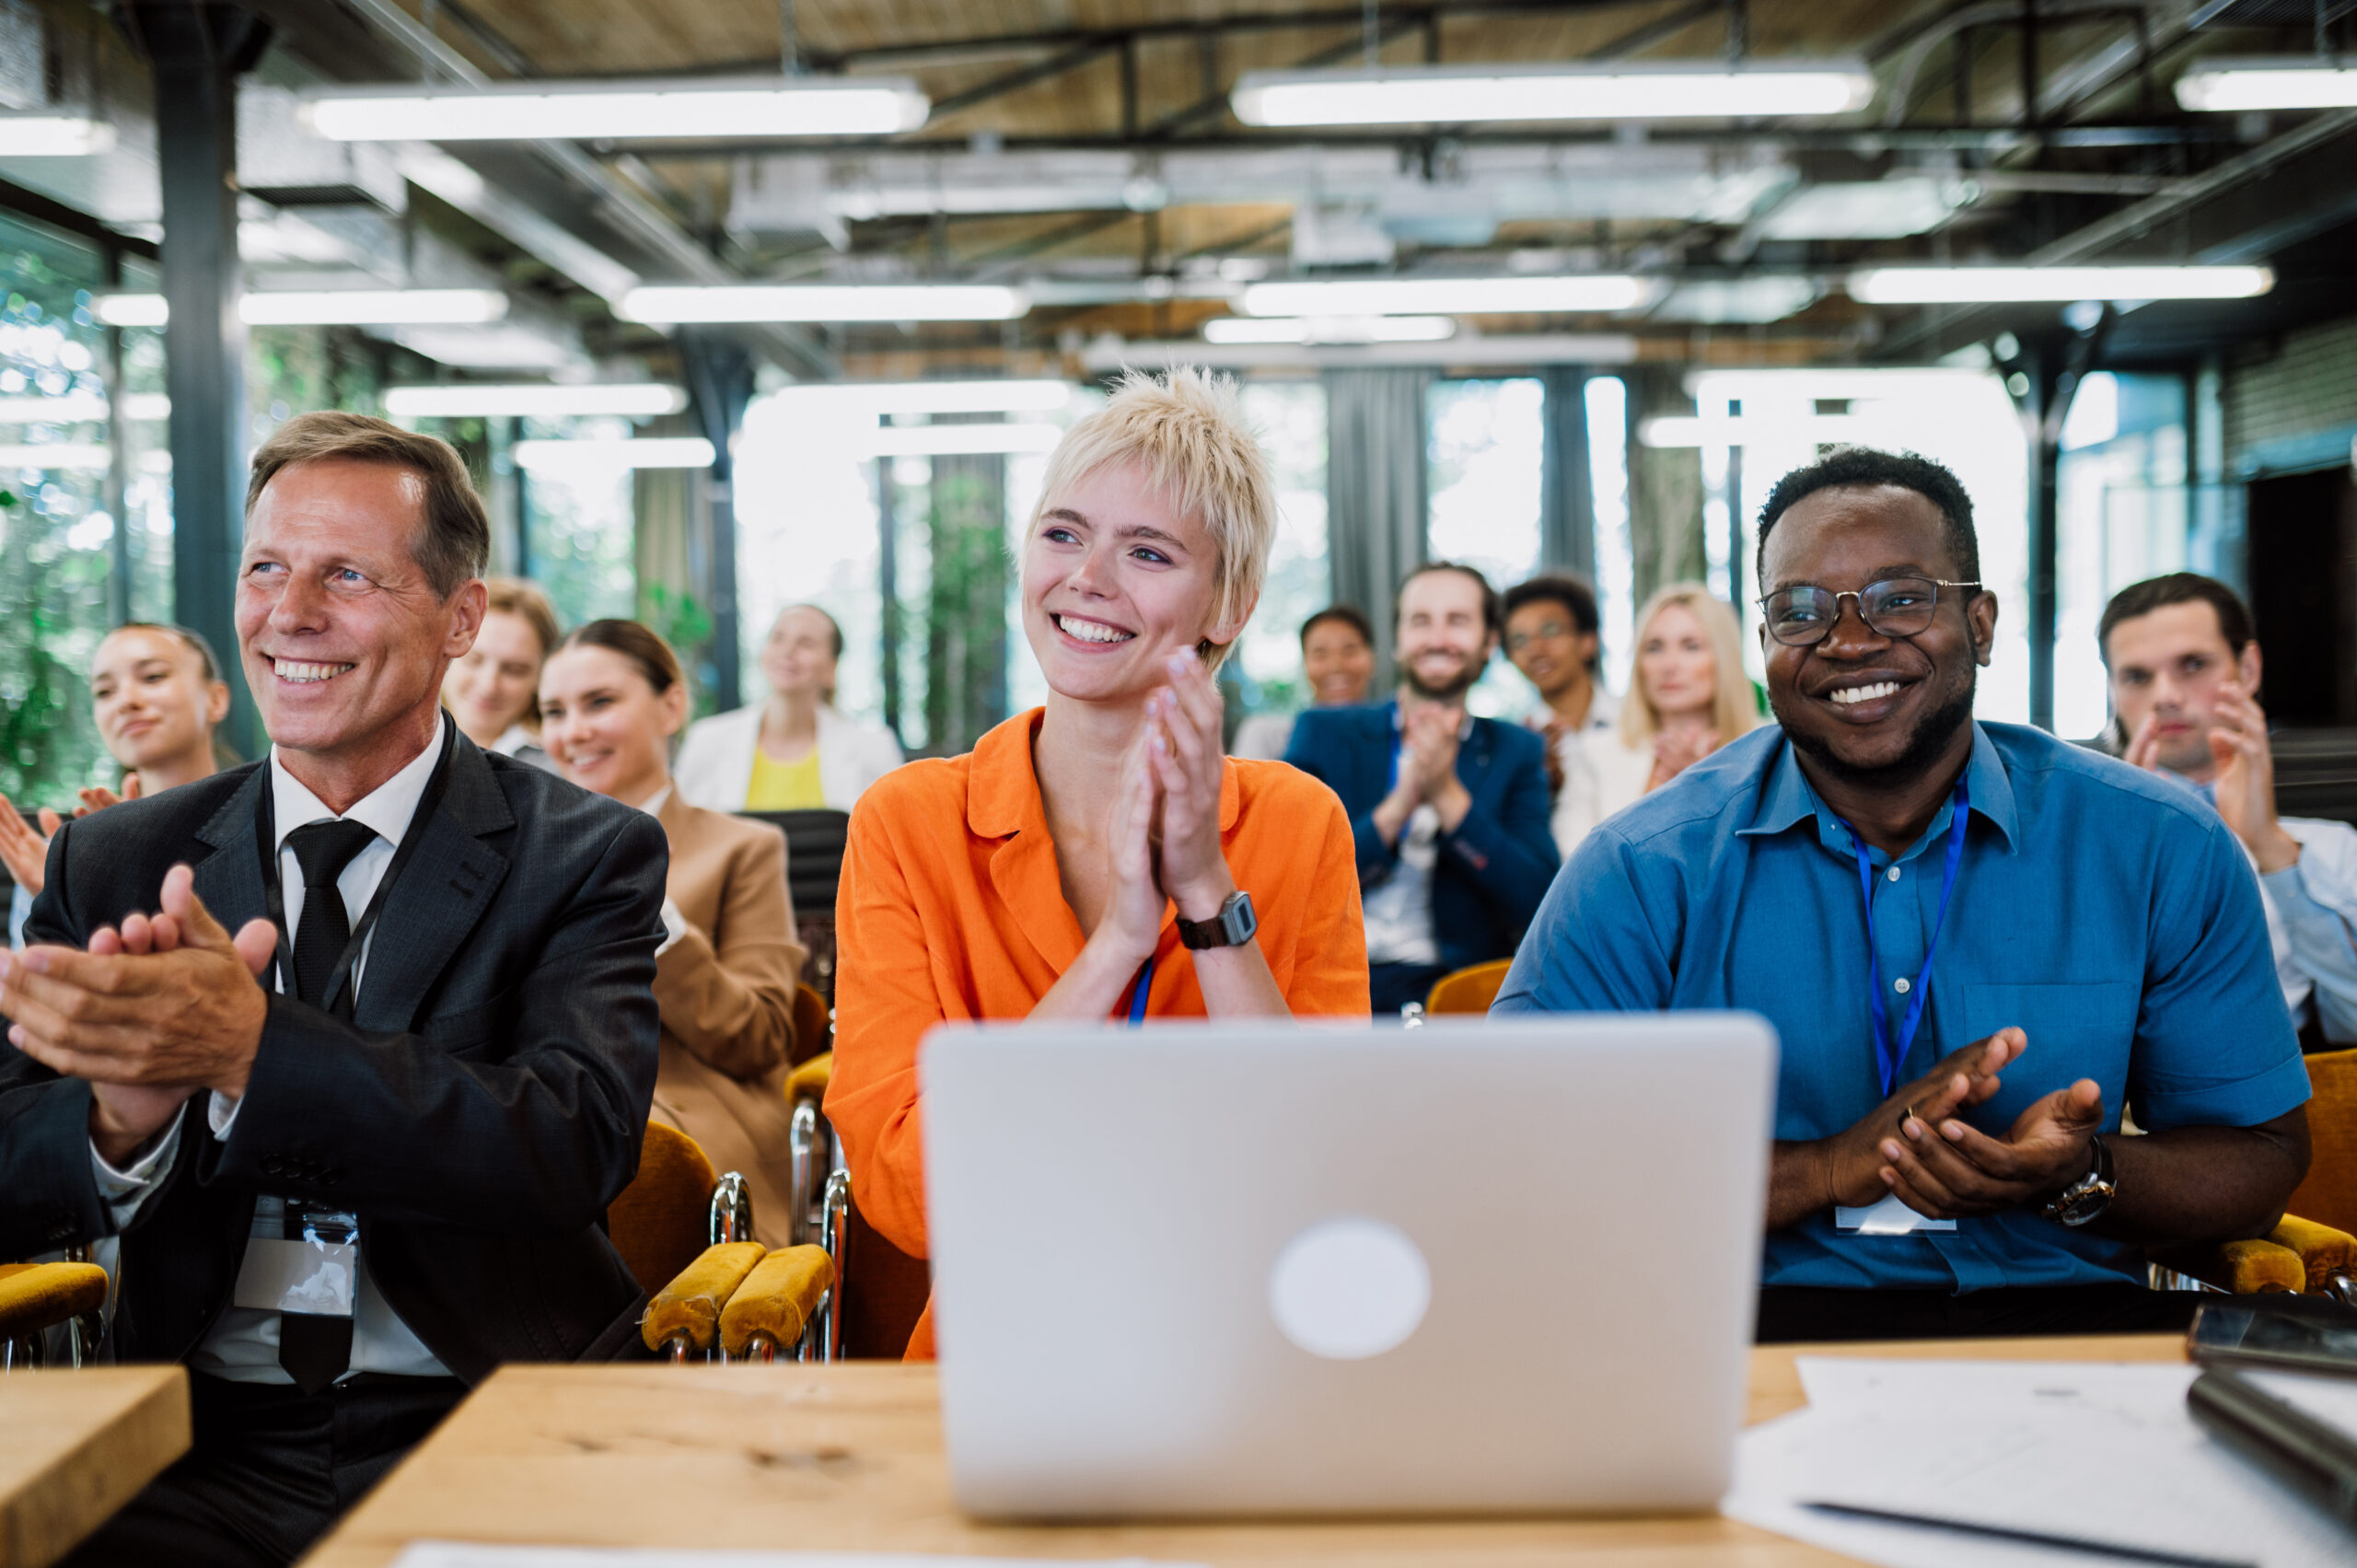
(725, 989)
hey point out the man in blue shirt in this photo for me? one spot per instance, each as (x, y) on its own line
(1450, 811)
(2052, 935)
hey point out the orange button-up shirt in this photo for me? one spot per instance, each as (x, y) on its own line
(951, 908)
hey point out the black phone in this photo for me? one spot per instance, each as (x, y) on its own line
(2296, 1332)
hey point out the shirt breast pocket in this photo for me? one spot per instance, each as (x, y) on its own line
(2076, 1030)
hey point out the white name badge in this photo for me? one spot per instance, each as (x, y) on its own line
(1889, 1218)
(298, 1276)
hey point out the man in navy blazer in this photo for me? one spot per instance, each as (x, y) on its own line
(1450, 811)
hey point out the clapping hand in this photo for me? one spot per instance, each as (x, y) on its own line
(1948, 1170)
(2246, 778)
(25, 851)
(1674, 751)
(1858, 1161)
(165, 1007)
(1182, 743)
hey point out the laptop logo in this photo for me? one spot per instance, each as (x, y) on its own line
(1350, 1288)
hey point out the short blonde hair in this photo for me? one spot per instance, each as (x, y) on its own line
(1186, 427)
(1734, 710)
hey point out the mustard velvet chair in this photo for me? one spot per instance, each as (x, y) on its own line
(37, 1297)
(880, 1290)
(1470, 990)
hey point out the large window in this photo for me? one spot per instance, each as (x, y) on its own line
(1289, 419)
(1485, 460)
(578, 522)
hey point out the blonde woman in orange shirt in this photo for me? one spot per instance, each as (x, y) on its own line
(1093, 859)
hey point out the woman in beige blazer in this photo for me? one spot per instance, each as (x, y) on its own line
(611, 698)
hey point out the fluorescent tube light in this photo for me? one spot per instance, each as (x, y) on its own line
(630, 401)
(330, 307)
(1456, 94)
(1692, 430)
(73, 408)
(623, 111)
(1329, 330)
(2238, 86)
(2014, 286)
(148, 405)
(601, 456)
(1447, 297)
(53, 136)
(956, 440)
(56, 455)
(665, 306)
(935, 397)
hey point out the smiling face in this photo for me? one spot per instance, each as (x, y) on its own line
(154, 706)
(1114, 582)
(1872, 707)
(1337, 663)
(1546, 644)
(343, 636)
(1675, 669)
(799, 657)
(1444, 642)
(606, 725)
(489, 686)
(2171, 665)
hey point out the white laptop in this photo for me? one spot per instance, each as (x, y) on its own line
(1480, 1267)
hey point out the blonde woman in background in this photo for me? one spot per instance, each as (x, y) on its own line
(492, 689)
(797, 751)
(1688, 697)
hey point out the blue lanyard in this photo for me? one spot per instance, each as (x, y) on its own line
(1137, 997)
(1887, 1058)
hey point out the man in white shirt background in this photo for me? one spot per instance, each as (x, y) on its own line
(351, 1158)
(2185, 670)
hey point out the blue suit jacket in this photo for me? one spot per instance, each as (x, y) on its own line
(1493, 869)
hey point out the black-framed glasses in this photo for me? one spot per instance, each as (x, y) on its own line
(1896, 606)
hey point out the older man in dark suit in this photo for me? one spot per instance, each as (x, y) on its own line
(1450, 811)
(355, 1155)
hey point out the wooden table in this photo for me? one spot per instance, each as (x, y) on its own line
(75, 1447)
(849, 1457)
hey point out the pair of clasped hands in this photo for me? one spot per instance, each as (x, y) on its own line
(159, 1009)
(1913, 1147)
(1163, 828)
(2245, 782)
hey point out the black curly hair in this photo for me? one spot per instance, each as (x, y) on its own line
(1864, 466)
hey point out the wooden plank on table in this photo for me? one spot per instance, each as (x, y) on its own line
(75, 1447)
(849, 1458)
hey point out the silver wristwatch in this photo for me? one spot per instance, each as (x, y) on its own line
(2089, 1196)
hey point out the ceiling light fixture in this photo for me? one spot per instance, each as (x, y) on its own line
(1329, 330)
(956, 440)
(53, 136)
(76, 455)
(1457, 94)
(2029, 285)
(935, 397)
(2241, 86)
(669, 305)
(1447, 297)
(590, 459)
(629, 400)
(328, 307)
(621, 110)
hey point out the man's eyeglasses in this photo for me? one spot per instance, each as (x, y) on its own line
(1896, 606)
(1546, 631)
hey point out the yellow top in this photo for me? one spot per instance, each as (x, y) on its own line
(784, 787)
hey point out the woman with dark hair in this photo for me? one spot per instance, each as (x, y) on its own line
(158, 697)
(611, 698)
(796, 751)
(1337, 665)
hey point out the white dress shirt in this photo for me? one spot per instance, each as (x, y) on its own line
(1398, 912)
(2311, 908)
(242, 1344)
(1596, 772)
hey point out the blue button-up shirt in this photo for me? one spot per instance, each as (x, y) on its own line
(2108, 914)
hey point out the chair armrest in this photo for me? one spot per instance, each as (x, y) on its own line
(776, 1302)
(2244, 1268)
(2327, 1254)
(684, 1316)
(809, 1081)
(34, 1296)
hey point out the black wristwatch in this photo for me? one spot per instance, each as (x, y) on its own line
(1232, 927)
(2087, 1197)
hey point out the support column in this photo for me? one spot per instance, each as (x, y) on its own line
(1567, 487)
(196, 50)
(888, 585)
(2043, 367)
(720, 384)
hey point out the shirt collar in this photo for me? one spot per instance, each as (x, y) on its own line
(387, 809)
(652, 804)
(1786, 799)
(1003, 786)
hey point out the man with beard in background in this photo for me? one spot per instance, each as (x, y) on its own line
(1977, 942)
(1450, 811)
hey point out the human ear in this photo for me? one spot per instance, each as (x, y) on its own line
(1981, 619)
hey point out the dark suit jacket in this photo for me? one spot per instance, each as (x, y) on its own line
(479, 1111)
(1493, 869)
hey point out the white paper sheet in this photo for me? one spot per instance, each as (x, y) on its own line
(466, 1554)
(2096, 1451)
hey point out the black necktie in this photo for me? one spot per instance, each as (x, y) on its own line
(313, 1348)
